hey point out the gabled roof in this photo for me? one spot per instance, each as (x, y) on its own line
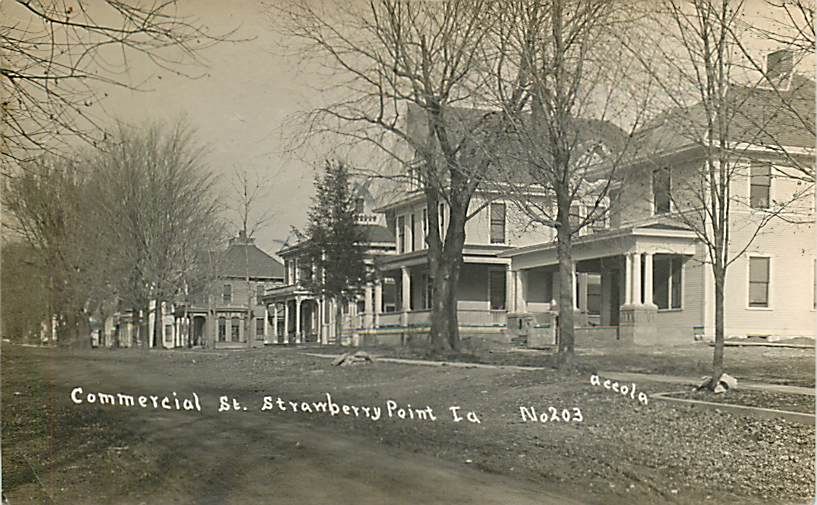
(243, 256)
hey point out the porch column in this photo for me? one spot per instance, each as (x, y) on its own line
(521, 290)
(368, 306)
(275, 321)
(628, 279)
(509, 288)
(266, 322)
(636, 293)
(323, 323)
(406, 295)
(573, 286)
(648, 279)
(583, 291)
(297, 320)
(286, 321)
(378, 302)
(554, 286)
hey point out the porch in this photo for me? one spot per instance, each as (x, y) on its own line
(628, 285)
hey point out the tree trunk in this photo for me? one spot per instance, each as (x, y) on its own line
(158, 329)
(338, 322)
(144, 328)
(566, 294)
(445, 272)
(717, 360)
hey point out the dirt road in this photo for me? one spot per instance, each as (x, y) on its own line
(245, 457)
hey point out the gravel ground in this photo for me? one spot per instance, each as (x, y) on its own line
(621, 453)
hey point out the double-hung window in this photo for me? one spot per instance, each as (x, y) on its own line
(667, 281)
(497, 211)
(401, 234)
(496, 289)
(759, 281)
(760, 184)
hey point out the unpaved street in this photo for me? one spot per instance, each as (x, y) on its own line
(621, 452)
(249, 457)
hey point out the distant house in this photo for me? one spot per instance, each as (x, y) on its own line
(299, 316)
(218, 313)
(243, 273)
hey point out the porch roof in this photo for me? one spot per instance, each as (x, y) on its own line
(657, 238)
(279, 293)
(471, 253)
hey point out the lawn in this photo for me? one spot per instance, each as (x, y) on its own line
(621, 452)
(776, 365)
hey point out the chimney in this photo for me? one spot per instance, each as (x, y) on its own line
(779, 65)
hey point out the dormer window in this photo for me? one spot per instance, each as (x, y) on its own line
(661, 191)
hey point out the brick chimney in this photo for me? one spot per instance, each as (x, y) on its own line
(779, 65)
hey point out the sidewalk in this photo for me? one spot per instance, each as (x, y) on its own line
(691, 381)
(620, 376)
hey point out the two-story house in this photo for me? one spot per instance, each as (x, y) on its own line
(231, 312)
(648, 276)
(300, 316)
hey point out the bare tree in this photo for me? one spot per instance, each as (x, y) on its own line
(45, 206)
(565, 92)
(409, 76)
(248, 207)
(156, 196)
(698, 73)
(57, 58)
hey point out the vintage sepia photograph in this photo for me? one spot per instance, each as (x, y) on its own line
(407, 252)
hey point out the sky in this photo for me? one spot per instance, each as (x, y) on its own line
(241, 107)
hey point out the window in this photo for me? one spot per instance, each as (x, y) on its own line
(425, 225)
(290, 268)
(235, 329)
(413, 232)
(222, 329)
(599, 220)
(667, 281)
(259, 326)
(425, 294)
(401, 234)
(259, 293)
(661, 190)
(760, 183)
(758, 282)
(497, 223)
(358, 205)
(168, 333)
(227, 293)
(390, 295)
(496, 289)
(575, 217)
